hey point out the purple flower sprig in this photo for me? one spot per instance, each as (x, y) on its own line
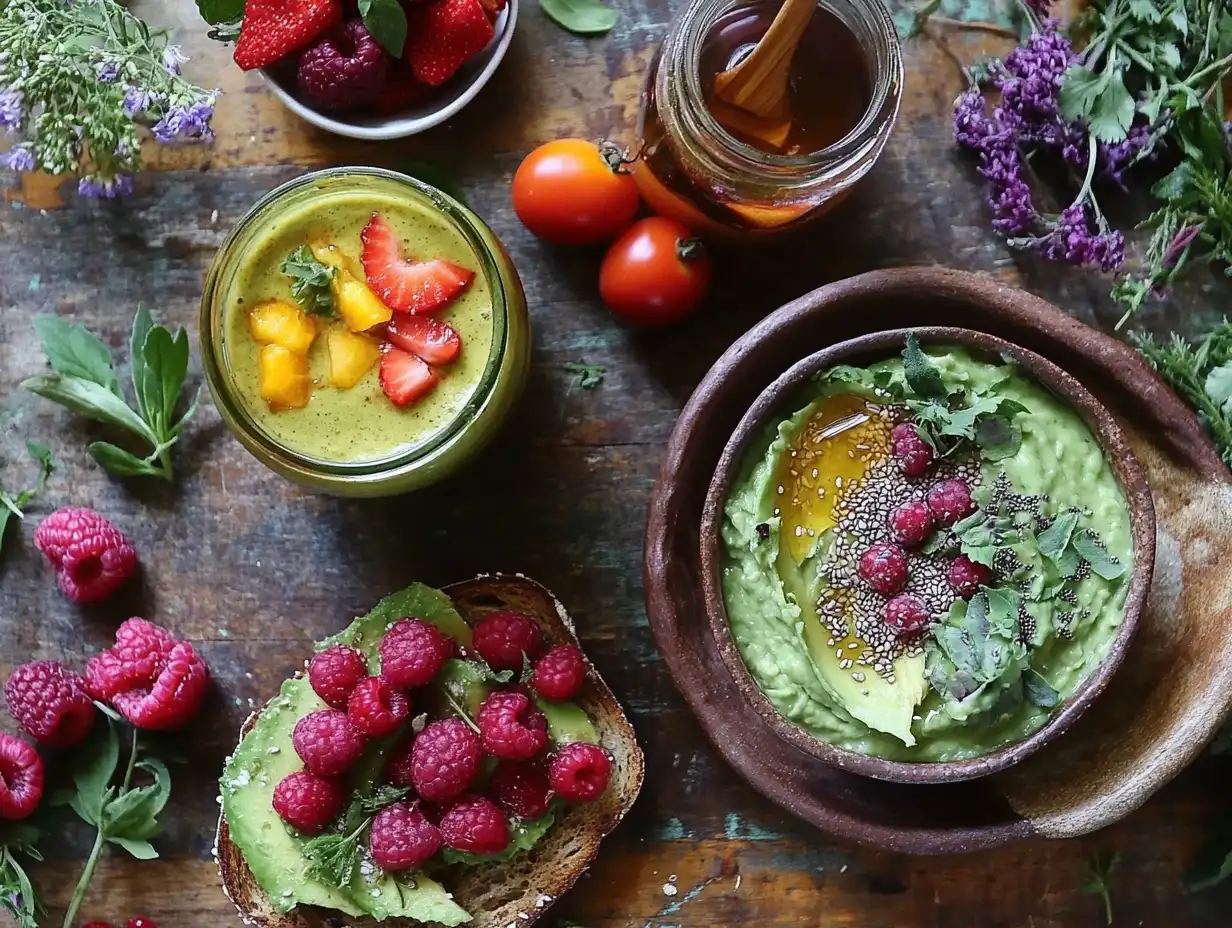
(1025, 121)
(84, 110)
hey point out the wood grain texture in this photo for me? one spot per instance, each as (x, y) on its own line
(253, 569)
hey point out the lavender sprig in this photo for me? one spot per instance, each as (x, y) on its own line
(78, 79)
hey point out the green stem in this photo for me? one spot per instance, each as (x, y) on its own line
(1213, 66)
(79, 893)
(132, 763)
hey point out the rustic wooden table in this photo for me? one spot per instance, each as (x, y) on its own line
(252, 569)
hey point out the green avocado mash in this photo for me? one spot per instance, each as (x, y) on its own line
(986, 671)
(277, 855)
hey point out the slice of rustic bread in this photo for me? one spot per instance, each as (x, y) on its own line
(516, 892)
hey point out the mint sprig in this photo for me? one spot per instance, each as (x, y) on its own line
(17, 894)
(106, 796)
(85, 382)
(385, 20)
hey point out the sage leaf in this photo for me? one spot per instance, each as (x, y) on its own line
(167, 357)
(74, 351)
(1039, 691)
(142, 850)
(1088, 546)
(922, 376)
(386, 21)
(997, 438)
(584, 17)
(142, 323)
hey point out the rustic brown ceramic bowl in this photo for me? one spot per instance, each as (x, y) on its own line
(781, 398)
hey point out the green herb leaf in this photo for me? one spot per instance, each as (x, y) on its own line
(584, 17)
(589, 376)
(1089, 547)
(310, 280)
(142, 850)
(997, 439)
(142, 323)
(1212, 864)
(386, 20)
(1053, 540)
(73, 351)
(332, 858)
(91, 400)
(94, 766)
(1218, 386)
(523, 836)
(1145, 10)
(1039, 691)
(120, 463)
(17, 893)
(1113, 112)
(220, 11)
(922, 377)
(382, 796)
(1100, 869)
(1080, 89)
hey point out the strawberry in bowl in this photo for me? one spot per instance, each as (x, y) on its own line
(394, 70)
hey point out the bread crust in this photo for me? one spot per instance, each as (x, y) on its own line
(519, 891)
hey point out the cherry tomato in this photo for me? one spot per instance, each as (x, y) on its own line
(654, 274)
(574, 192)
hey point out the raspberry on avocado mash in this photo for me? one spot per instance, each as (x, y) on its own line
(926, 558)
(480, 772)
(329, 344)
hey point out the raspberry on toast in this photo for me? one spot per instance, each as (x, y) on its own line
(520, 890)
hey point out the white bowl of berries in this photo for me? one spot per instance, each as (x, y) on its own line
(333, 67)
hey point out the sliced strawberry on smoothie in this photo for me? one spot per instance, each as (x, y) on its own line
(273, 29)
(435, 341)
(443, 36)
(405, 378)
(408, 286)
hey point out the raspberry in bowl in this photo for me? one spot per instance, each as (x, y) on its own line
(363, 333)
(325, 65)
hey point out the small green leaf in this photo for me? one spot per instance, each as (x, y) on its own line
(1212, 864)
(1178, 185)
(1088, 546)
(120, 463)
(1145, 10)
(1038, 690)
(997, 439)
(142, 323)
(74, 351)
(310, 280)
(91, 400)
(1055, 539)
(921, 376)
(386, 21)
(166, 358)
(589, 376)
(1113, 112)
(523, 837)
(584, 17)
(94, 765)
(142, 850)
(1218, 386)
(1080, 88)
(220, 11)
(382, 796)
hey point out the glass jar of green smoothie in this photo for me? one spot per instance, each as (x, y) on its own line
(299, 350)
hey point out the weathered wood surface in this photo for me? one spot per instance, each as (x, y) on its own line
(252, 569)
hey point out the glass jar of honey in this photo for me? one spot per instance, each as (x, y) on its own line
(726, 173)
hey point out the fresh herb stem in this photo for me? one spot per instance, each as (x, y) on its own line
(83, 884)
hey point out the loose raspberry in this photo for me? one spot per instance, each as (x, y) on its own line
(522, 790)
(906, 614)
(141, 651)
(475, 825)
(308, 802)
(913, 453)
(328, 742)
(949, 501)
(50, 703)
(152, 680)
(399, 769)
(377, 709)
(140, 921)
(884, 567)
(911, 523)
(21, 777)
(580, 772)
(334, 674)
(92, 557)
(412, 653)
(966, 576)
(511, 727)
(345, 68)
(402, 838)
(445, 760)
(560, 673)
(504, 638)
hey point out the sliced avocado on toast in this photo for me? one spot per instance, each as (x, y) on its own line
(546, 856)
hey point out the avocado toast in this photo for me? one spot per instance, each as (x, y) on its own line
(274, 888)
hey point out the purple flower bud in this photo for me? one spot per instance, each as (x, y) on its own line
(105, 188)
(107, 72)
(1177, 246)
(971, 123)
(1071, 241)
(189, 124)
(138, 101)
(173, 57)
(11, 113)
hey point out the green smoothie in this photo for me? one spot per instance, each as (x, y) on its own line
(357, 424)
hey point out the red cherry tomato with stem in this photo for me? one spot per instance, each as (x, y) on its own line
(654, 274)
(575, 192)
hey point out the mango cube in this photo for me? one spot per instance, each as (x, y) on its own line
(283, 376)
(335, 257)
(351, 356)
(277, 322)
(359, 307)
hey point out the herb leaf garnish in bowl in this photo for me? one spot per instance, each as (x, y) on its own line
(921, 565)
